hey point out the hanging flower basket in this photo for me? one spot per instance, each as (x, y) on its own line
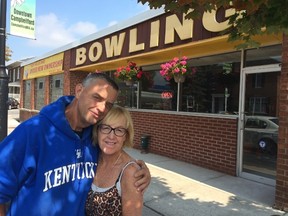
(129, 82)
(176, 68)
(179, 78)
(129, 73)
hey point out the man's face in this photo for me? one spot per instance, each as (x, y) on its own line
(94, 101)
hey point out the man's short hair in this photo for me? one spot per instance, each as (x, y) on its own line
(99, 75)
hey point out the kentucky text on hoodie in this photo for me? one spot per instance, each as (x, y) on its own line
(65, 174)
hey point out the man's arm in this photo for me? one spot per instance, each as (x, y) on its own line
(2, 209)
(143, 183)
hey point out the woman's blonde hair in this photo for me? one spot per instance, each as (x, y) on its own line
(115, 113)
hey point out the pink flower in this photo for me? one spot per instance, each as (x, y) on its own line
(175, 59)
(162, 72)
(183, 62)
(176, 70)
(163, 66)
(184, 58)
(116, 74)
(175, 66)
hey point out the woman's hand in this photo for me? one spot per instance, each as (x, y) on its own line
(143, 176)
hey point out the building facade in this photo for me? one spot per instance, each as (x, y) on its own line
(14, 80)
(224, 116)
(13, 70)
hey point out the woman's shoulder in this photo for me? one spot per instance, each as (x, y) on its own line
(132, 165)
(130, 168)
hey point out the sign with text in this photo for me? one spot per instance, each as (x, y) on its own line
(22, 18)
(158, 33)
(44, 67)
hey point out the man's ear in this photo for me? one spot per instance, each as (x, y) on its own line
(78, 89)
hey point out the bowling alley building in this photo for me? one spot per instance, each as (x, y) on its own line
(230, 114)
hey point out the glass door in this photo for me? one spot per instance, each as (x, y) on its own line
(260, 124)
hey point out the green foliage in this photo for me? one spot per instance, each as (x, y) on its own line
(252, 17)
(8, 53)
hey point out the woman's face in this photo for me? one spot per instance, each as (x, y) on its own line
(111, 135)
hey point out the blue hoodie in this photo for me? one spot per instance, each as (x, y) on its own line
(46, 168)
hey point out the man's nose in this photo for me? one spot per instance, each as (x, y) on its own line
(101, 106)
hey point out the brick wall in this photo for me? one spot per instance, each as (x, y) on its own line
(32, 93)
(281, 198)
(209, 142)
(71, 78)
(75, 78)
(21, 87)
(47, 90)
(66, 67)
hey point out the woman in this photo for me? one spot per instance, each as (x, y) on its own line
(113, 191)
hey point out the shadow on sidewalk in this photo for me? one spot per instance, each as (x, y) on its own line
(184, 197)
(179, 188)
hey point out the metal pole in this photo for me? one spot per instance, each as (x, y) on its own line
(138, 94)
(178, 95)
(225, 95)
(3, 74)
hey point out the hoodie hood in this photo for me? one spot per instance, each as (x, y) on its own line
(55, 113)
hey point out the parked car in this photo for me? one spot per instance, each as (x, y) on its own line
(261, 134)
(12, 103)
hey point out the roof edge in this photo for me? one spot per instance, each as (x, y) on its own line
(146, 15)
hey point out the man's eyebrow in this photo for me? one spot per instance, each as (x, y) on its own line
(101, 98)
(97, 95)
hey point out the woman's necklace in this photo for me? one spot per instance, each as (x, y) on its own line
(117, 160)
(105, 172)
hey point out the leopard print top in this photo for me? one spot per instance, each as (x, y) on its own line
(107, 202)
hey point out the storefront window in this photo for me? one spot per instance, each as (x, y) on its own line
(157, 93)
(56, 86)
(213, 87)
(264, 56)
(128, 94)
(27, 96)
(40, 93)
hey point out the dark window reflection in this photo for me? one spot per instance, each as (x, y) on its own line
(213, 87)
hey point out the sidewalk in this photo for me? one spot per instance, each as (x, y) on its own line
(12, 123)
(182, 189)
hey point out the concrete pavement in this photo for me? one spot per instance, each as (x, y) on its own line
(182, 189)
(12, 123)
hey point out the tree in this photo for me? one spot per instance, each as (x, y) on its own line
(252, 17)
(8, 53)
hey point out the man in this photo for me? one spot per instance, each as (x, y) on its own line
(48, 162)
